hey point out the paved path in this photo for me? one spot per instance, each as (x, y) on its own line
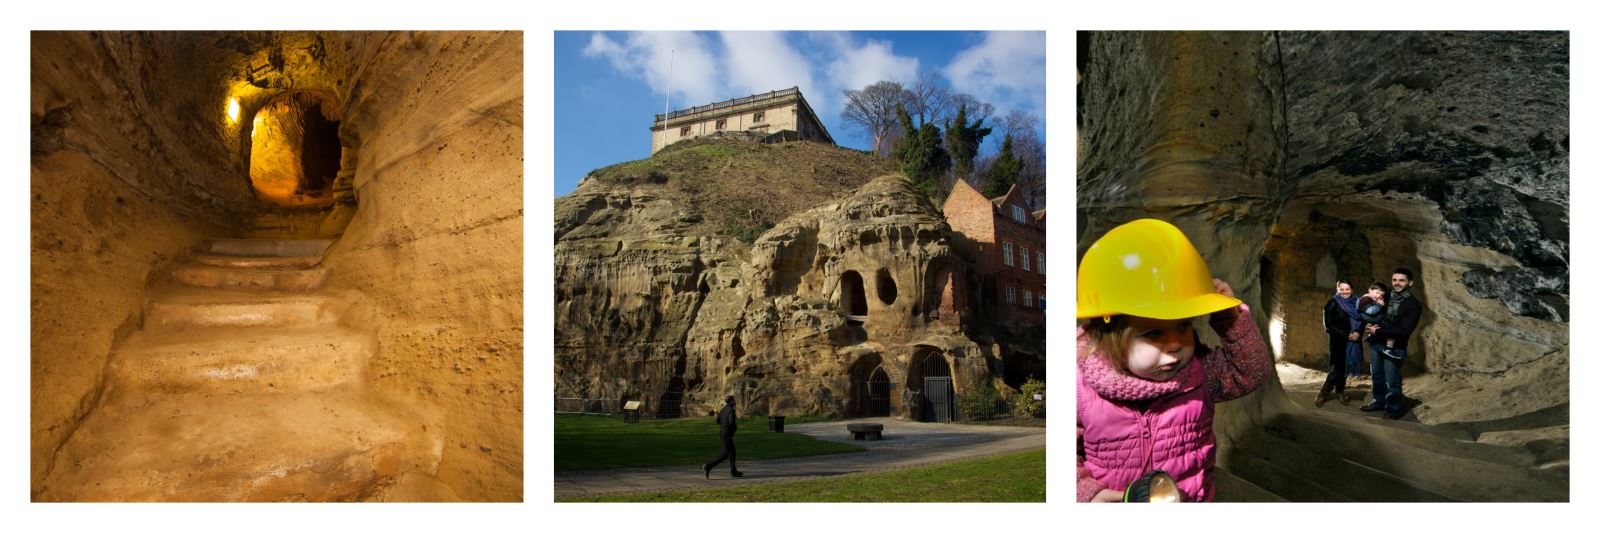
(905, 445)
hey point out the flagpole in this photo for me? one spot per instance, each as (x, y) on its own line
(666, 111)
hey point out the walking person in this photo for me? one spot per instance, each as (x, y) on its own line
(728, 421)
(1341, 320)
(1391, 338)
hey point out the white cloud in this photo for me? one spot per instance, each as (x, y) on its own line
(1006, 69)
(647, 56)
(757, 62)
(859, 65)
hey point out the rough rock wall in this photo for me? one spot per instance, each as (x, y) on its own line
(1441, 152)
(436, 244)
(647, 303)
(1448, 152)
(116, 194)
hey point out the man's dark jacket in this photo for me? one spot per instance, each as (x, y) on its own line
(728, 419)
(1403, 324)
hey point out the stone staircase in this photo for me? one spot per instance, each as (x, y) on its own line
(243, 385)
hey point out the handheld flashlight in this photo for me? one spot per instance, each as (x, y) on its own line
(1153, 487)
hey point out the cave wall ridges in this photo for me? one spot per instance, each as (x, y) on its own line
(116, 195)
(435, 249)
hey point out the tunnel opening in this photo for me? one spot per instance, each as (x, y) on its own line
(886, 288)
(853, 295)
(294, 151)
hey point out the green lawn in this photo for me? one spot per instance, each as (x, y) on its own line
(1017, 477)
(600, 442)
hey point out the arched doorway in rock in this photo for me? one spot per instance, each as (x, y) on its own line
(853, 295)
(929, 378)
(294, 150)
(871, 388)
(887, 292)
(671, 404)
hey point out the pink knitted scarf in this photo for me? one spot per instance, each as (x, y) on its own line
(1113, 384)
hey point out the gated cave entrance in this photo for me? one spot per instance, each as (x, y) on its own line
(929, 376)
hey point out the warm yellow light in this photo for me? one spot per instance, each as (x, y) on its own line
(233, 109)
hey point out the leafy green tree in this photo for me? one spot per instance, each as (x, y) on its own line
(1003, 172)
(962, 141)
(921, 155)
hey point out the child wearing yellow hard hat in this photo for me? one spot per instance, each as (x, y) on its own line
(1146, 386)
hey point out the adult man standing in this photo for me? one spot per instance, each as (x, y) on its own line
(728, 420)
(1391, 338)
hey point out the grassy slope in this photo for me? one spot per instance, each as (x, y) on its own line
(1017, 477)
(593, 443)
(742, 188)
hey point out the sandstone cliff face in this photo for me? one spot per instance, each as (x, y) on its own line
(651, 303)
(1294, 159)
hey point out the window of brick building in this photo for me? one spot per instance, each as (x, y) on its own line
(1019, 215)
(1011, 295)
(1008, 254)
(1026, 267)
(1038, 261)
(1027, 298)
(722, 123)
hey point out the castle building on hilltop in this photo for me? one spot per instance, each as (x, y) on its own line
(781, 115)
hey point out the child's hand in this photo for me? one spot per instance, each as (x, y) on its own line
(1355, 336)
(1107, 496)
(1391, 343)
(1222, 287)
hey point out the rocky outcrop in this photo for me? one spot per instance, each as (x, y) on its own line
(652, 305)
(1294, 159)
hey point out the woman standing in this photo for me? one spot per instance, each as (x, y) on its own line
(1339, 319)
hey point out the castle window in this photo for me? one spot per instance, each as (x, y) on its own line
(1019, 215)
(1027, 298)
(1008, 254)
(683, 132)
(722, 123)
(760, 115)
(1025, 266)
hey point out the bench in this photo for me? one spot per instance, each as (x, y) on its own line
(865, 431)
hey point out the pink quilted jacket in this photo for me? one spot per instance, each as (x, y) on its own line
(1128, 426)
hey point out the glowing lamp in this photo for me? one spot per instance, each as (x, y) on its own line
(233, 109)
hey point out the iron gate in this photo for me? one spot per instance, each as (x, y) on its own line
(878, 393)
(938, 392)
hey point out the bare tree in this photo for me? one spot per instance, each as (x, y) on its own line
(872, 109)
(1028, 147)
(977, 111)
(929, 99)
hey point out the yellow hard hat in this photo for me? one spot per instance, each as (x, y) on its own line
(1146, 268)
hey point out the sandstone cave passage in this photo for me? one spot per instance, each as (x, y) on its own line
(1293, 160)
(219, 311)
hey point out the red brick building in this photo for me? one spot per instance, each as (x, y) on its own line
(1005, 240)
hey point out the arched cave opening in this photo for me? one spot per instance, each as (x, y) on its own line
(853, 295)
(929, 379)
(294, 149)
(869, 387)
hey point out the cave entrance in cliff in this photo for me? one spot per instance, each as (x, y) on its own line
(853, 295)
(294, 150)
(870, 388)
(929, 376)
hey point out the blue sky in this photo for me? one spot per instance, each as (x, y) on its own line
(609, 85)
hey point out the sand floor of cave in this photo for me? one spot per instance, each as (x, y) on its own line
(905, 445)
